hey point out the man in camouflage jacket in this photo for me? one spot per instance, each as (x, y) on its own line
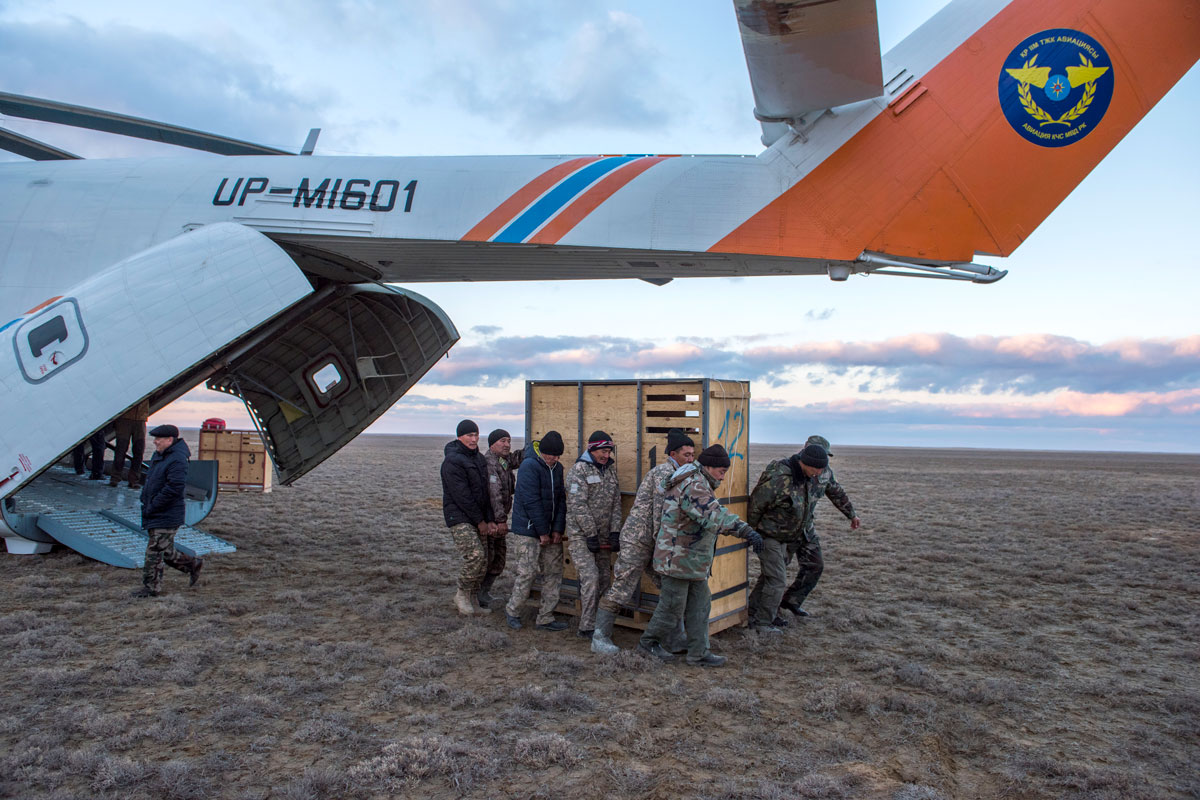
(593, 523)
(637, 539)
(781, 508)
(808, 551)
(502, 465)
(692, 519)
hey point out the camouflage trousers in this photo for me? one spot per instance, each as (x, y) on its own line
(473, 550)
(772, 581)
(595, 576)
(160, 549)
(496, 554)
(808, 556)
(633, 558)
(532, 557)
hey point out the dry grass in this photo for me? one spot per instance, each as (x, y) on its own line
(1015, 625)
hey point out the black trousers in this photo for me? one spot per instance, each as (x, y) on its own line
(96, 440)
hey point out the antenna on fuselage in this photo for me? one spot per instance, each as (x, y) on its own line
(310, 143)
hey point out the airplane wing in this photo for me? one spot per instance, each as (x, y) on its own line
(808, 55)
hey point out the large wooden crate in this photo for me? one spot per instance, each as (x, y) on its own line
(638, 414)
(243, 463)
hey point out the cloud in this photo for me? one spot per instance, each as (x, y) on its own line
(818, 316)
(154, 75)
(605, 73)
(936, 362)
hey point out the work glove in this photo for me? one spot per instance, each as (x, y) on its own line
(593, 543)
(614, 541)
(755, 540)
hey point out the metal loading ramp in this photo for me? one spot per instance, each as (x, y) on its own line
(103, 522)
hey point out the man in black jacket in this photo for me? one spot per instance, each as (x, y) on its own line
(162, 511)
(539, 517)
(468, 512)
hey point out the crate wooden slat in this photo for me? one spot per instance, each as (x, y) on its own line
(637, 414)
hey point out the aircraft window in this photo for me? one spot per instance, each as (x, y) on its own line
(326, 378)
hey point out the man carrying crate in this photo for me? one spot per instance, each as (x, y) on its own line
(637, 541)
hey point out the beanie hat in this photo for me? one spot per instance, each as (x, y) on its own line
(714, 456)
(676, 439)
(551, 444)
(465, 427)
(497, 435)
(814, 455)
(165, 430)
(599, 439)
(821, 440)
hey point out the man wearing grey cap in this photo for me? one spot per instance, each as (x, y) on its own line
(162, 511)
(781, 508)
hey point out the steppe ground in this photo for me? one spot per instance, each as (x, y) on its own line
(1005, 624)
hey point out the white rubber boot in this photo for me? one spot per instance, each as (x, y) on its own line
(462, 601)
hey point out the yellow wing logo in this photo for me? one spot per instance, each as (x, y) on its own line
(1085, 75)
(1032, 75)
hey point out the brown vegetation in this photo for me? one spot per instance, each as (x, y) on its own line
(1005, 625)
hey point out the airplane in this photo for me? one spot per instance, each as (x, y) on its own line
(272, 276)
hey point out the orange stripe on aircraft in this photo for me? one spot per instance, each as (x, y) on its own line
(40, 306)
(587, 202)
(946, 176)
(490, 225)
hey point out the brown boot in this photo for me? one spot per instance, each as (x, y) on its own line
(114, 481)
(135, 480)
(194, 571)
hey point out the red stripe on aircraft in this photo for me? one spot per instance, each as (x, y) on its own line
(587, 202)
(43, 305)
(490, 225)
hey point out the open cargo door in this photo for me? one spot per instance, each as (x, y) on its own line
(342, 359)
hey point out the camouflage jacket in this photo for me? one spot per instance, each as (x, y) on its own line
(785, 508)
(502, 479)
(642, 523)
(692, 518)
(593, 498)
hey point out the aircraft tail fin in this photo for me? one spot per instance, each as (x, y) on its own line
(974, 150)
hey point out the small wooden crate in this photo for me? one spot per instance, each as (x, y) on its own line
(243, 463)
(638, 414)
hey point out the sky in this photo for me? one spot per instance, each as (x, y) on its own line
(1092, 341)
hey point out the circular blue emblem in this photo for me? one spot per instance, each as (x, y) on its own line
(1056, 86)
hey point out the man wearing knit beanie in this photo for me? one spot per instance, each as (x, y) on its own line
(683, 554)
(502, 464)
(636, 545)
(538, 520)
(593, 523)
(782, 507)
(468, 512)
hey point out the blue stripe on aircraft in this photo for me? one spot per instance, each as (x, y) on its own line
(537, 214)
(8, 325)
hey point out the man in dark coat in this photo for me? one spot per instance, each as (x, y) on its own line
(539, 517)
(162, 511)
(468, 512)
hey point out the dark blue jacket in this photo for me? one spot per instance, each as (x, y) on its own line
(540, 499)
(166, 484)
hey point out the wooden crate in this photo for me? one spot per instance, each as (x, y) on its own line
(638, 414)
(243, 463)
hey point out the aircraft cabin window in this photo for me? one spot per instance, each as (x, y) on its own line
(326, 378)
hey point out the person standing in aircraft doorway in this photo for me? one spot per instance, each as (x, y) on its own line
(131, 429)
(593, 523)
